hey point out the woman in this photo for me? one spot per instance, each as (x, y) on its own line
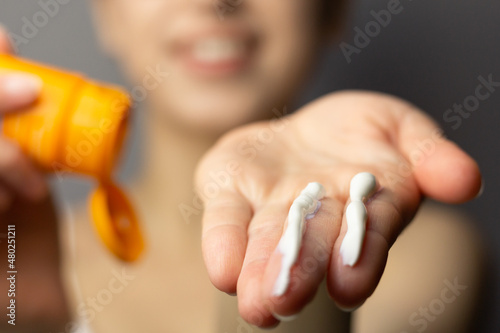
(230, 64)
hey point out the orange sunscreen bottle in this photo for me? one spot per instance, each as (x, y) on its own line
(79, 126)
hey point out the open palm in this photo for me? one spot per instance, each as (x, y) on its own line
(249, 179)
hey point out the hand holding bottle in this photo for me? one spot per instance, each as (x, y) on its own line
(18, 174)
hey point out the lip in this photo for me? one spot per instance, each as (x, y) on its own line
(199, 51)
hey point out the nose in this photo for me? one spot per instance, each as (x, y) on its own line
(222, 8)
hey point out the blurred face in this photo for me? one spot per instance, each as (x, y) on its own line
(209, 65)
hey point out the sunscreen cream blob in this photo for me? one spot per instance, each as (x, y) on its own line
(303, 208)
(362, 186)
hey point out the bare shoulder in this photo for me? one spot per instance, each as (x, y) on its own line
(441, 240)
(442, 224)
(432, 279)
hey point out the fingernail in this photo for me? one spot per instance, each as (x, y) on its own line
(21, 85)
(285, 318)
(349, 309)
(481, 190)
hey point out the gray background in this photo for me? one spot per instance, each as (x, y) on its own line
(430, 54)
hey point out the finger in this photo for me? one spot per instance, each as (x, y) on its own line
(389, 211)
(449, 175)
(5, 45)
(264, 233)
(18, 90)
(442, 170)
(17, 171)
(224, 238)
(306, 275)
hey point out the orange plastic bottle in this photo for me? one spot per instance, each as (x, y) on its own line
(79, 126)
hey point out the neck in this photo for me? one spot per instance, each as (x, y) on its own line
(165, 182)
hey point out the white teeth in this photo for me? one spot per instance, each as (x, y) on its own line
(218, 50)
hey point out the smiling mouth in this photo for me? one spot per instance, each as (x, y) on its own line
(215, 50)
(216, 53)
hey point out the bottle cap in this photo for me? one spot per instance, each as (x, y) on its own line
(78, 126)
(116, 222)
(95, 130)
(99, 123)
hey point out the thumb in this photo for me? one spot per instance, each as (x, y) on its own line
(442, 170)
(17, 90)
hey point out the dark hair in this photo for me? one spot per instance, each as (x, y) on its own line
(332, 16)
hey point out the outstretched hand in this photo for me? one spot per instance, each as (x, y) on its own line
(266, 165)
